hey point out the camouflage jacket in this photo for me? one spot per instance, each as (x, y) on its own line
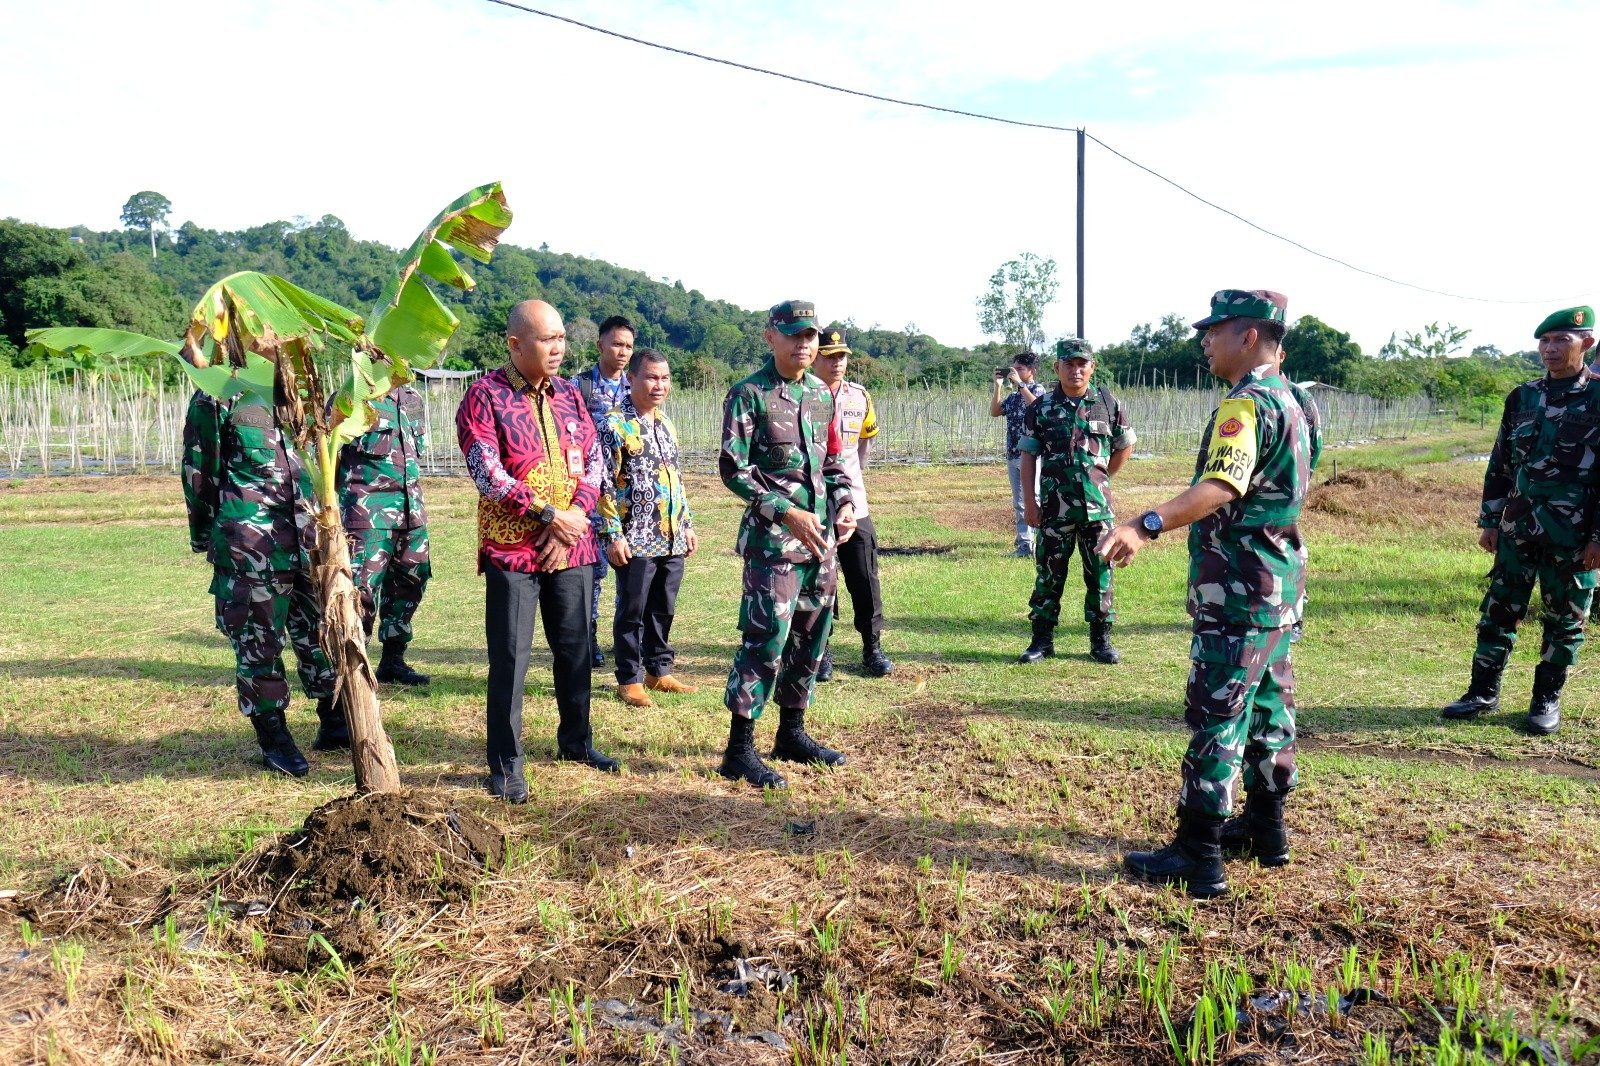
(779, 451)
(642, 497)
(1246, 559)
(247, 492)
(1073, 440)
(379, 483)
(1543, 480)
(1313, 413)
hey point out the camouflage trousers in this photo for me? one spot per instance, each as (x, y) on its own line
(391, 570)
(785, 616)
(1240, 704)
(1567, 589)
(1052, 553)
(253, 611)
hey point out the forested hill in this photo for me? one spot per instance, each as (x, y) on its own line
(85, 277)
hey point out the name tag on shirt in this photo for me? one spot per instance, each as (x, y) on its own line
(575, 461)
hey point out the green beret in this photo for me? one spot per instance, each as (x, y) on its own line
(1577, 318)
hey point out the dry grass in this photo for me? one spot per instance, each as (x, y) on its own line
(951, 895)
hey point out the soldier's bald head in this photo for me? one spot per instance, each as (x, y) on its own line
(532, 318)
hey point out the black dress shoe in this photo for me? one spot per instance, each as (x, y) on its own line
(825, 666)
(597, 658)
(513, 792)
(592, 758)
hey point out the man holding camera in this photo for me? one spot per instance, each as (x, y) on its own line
(1019, 377)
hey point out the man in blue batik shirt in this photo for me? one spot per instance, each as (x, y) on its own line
(604, 386)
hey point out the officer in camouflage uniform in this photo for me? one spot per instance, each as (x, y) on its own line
(380, 497)
(781, 456)
(1076, 438)
(1313, 414)
(1540, 495)
(246, 491)
(1246, 585)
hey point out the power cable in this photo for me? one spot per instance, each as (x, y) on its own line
(983, 117)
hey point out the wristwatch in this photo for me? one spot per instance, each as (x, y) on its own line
(547, 515)
(1151, 524)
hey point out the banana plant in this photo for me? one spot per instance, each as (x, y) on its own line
(258, 338)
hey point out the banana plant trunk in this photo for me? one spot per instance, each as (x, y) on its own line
(344, 641)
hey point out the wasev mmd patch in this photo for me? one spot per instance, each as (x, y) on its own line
(1232, 456)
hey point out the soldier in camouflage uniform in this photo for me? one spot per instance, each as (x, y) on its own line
(246, 491)
(1074, 441)
(1313, 414)
(1540, 495)
(781, 456)
(1246, 585)
(380, 497)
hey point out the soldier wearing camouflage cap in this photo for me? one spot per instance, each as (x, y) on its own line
(1540, 495)
(1074, 441)
(380, 501)
(248, 497)
(781, 456)
(1246, 586)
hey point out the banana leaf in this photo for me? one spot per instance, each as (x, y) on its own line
(224, 382)
(410, 325)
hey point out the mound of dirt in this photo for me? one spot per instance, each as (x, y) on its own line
(382, 847)
(355, 854)
(1393, 498)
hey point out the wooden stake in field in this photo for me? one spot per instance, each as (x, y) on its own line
(257, 338)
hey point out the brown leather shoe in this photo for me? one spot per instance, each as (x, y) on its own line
(668, 683)
(635, 696)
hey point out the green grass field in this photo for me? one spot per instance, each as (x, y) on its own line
(956, 896)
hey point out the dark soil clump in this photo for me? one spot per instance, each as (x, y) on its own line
(357, 855)
(382, 847)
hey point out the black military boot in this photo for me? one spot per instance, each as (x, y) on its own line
(796, 745)
(1258, 831)
(741, 763)
(1483, 694)
(1544, 711)
(825, 665)
(1043, 646)
(873, 662)
(1100, 649)
(392, 668)
(1194, 857)
(597, 657)
(278, 749)
(333, 729)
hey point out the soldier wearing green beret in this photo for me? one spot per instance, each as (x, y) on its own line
(781, 455)
(1246, 587)
(1540, 494)
(1074, 441)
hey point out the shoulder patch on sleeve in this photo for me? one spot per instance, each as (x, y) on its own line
(1234, 447)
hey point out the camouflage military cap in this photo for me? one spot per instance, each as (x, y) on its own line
(1578, 319)
(834, 342)
(1068, 348)
(1246, 303)
(793, 316)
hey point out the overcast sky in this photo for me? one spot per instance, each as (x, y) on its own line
(1450, 145)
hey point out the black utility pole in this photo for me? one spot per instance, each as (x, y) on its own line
(1081, 145)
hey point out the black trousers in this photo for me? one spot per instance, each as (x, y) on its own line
(562, 600)
(858, 565)
(647, 596)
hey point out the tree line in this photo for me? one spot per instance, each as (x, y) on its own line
(145, 278)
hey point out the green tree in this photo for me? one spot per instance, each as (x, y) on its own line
(1166, 353)
(1013, 308)
(1433, 340)
(1315, 351)
(147, 210)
